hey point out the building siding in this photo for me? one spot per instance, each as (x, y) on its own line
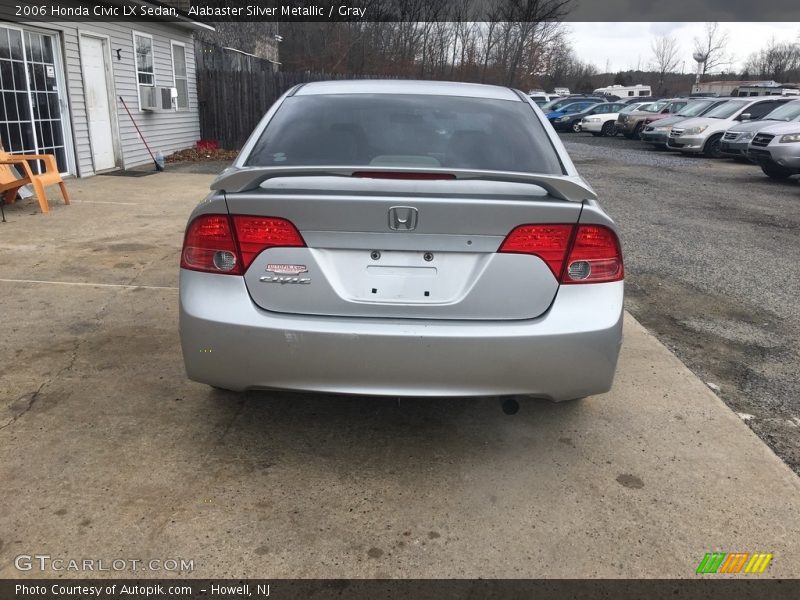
(165, 131)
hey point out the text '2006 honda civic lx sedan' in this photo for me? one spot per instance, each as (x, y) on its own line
(402, 238)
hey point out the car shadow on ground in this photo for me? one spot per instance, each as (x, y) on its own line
(758, 177)
(357, 428)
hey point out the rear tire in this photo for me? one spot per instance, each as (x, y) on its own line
(608, 129)
(711, 149)
(775, 171)
(576, 127)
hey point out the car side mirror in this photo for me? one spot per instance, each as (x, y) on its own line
(744, 117)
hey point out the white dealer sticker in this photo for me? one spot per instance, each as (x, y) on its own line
(286, 269)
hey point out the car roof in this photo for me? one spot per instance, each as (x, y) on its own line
(405, 86)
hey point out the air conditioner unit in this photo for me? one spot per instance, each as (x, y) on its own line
(147, 98)
(158, 98)
(169, 98)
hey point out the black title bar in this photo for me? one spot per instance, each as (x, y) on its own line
(209, 11)
(708, 587)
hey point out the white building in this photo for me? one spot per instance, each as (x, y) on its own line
(62, 87)
(746, 88)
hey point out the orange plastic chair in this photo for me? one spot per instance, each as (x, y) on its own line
(10, 182)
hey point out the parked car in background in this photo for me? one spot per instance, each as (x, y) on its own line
(541, 98)
(568, 110)
(600, 118)
(703, 135)
(561, 91)
(656, 133)
(629, 108)
(736, 139)
(437, 232)
(605, 124)
(558, 103)
(573, 122)
(776, 148)
(637, 100)
(631, 124)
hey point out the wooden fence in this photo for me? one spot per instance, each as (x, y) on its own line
(236, 89)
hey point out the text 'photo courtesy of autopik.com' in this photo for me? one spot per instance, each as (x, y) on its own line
(391, 299)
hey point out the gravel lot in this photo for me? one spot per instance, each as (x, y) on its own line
(713, 269)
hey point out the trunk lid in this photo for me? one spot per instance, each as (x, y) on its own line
(403, 248)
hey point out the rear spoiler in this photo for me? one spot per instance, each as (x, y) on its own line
(243, 179)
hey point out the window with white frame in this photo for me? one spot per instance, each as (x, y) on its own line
(179, 74)
(145, 73)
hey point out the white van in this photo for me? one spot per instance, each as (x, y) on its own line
(541, 97)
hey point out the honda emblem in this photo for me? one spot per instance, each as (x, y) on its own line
(402, 218)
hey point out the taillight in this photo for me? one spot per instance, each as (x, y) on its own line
(593, 251)
(219, 244)
(596, 256)
(548, 242)
(255, 234)
(209, 246)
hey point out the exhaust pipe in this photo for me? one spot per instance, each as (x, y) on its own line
(510, 406)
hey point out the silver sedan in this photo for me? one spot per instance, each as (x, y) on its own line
(402, 238)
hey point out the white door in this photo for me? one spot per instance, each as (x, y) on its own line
(98, 110)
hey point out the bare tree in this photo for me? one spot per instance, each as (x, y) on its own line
(779, 61)
(665, 55)
(713, 46)
(500, 41)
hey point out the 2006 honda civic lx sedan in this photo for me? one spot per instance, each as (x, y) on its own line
(402, 238)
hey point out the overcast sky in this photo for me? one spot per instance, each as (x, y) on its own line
(620, 46)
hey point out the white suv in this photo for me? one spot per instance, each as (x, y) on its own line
(541, 98)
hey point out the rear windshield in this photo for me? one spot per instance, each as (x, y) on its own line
(406, 131)
(728, 109)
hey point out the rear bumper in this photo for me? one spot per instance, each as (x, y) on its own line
(569, 352)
